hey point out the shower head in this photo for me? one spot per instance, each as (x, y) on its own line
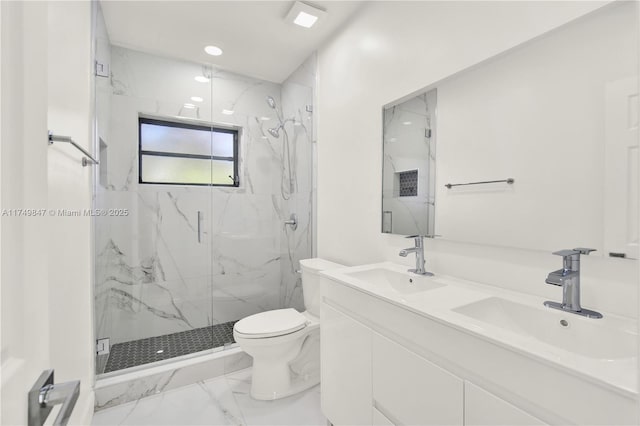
(275, 132)
(271, 102)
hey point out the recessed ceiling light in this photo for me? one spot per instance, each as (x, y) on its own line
(227, 111)
(265, 118)
(196, 99)
(201, 79)
(406, 123)
(189, 106)
(213, 50)
(304, 15)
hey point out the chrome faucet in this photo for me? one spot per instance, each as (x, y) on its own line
(569, 279)
(419, 251)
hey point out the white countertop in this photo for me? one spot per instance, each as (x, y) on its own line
(439, 304)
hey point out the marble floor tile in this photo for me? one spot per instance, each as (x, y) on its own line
(299, 409)
(221, 401)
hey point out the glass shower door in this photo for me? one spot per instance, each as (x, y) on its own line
(152, 260)
(208, 166)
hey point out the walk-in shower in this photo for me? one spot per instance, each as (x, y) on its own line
(203, 185)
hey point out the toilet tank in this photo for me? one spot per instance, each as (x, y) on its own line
(311, 282)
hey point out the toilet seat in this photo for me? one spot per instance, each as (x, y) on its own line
(273, 323)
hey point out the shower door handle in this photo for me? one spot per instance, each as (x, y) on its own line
(199, 226)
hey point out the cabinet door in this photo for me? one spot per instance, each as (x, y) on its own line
(410, 390)
(380, 419)
(484, 408)
(345, 367)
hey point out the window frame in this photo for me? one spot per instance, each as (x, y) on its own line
(168, 122)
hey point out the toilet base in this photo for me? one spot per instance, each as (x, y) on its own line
(273, 380)
(294, 386)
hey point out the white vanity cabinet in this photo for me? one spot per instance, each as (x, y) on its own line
(380, 419)
(409, 390)
(384, 364)
(345, 351)
(482, 408)
(368, 378)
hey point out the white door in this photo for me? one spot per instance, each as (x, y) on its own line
(621, 169)
(37, 330)
(23, 283)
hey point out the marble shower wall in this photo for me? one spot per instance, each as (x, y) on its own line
(298, 100)
(152, 275)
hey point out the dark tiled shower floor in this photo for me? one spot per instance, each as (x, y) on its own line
(144, 351)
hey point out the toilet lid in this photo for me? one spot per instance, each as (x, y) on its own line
(271, 323)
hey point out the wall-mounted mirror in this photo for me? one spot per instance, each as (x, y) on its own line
(558, 114)
(408, 186)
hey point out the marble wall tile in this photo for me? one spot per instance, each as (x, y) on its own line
(297, 99)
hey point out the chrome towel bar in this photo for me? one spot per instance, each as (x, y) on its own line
(88, 160)
(509, 181)
(45, 394)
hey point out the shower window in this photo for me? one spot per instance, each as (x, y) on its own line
(181, 153)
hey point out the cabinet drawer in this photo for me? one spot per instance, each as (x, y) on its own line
(412, 390)
(484, 408)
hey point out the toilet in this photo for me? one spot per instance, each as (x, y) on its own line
(284, 343)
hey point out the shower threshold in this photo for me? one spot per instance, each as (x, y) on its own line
(159, 348)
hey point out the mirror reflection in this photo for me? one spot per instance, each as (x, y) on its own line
(408, 187)
(557, 114)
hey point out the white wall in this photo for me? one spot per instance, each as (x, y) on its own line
(536, 114)
(70, 112)
(387, 51)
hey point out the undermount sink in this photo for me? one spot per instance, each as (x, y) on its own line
(582, 336)
(390, 280)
